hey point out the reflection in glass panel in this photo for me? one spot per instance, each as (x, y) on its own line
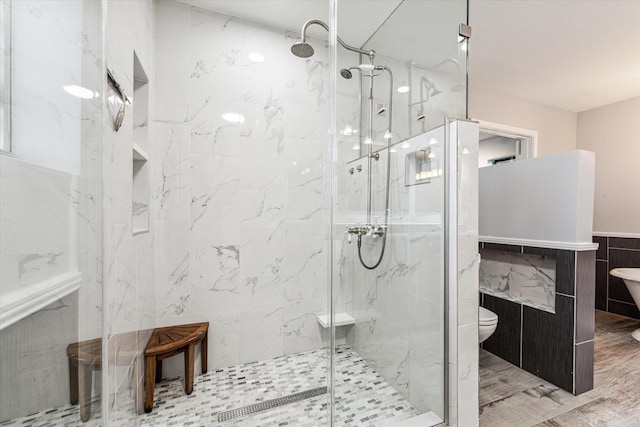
(51, 211)
(390, 211)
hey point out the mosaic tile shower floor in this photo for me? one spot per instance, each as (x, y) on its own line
(363, 398)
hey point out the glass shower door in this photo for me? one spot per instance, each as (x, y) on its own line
(390, 208)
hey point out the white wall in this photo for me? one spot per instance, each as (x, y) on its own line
(556, 128)
(547, 200)
(613, 133)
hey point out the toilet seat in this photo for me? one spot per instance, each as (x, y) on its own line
(486, 317)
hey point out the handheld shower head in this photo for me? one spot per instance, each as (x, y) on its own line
(346, 73)
(302, 50)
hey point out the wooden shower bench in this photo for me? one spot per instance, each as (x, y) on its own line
(86, 357)
(167, 342)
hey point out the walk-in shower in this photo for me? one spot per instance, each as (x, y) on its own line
(224, 197)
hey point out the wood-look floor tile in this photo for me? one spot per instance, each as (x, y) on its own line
(506, 383)
(508, 398)
(526, 408)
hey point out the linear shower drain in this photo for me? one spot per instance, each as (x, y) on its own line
(273, 403)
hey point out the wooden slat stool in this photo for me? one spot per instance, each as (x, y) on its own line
(86, 357)
(167, 342)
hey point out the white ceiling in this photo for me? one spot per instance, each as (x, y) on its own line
(569, 54)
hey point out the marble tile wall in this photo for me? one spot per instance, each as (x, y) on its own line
(50, 198)
(240, 209)
(525, 278)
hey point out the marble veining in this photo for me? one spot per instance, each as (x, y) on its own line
(523, 278)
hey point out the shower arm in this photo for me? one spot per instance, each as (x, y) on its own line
(370, 53)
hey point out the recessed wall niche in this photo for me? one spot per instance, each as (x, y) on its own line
(140, 166)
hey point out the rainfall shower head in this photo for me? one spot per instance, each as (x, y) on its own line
(302, 50)
(346, 73)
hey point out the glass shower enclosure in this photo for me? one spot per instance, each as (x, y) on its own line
(281, 170)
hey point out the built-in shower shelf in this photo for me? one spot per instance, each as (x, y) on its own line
(342, 319)
(139, 153)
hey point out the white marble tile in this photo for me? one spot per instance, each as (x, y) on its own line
(172, 32)
(261, 333)
(305, 260)
(426, 346)
(524, 278)
(215, 268)
(224, 350)
(261, 252)
(301, 330)
(309, 82)
(172, 268)
(467, 381)
(122, 281)
(258, 293)
(170, 171)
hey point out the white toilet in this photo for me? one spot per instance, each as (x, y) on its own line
(487, 323)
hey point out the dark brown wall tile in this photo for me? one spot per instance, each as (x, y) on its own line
(547, 343)
(504, 248)
(621, 258)
(585, 295)
(602, 247)
(624, 309)
(566, 272)
(620, 242)
(505, 341)
(602, 276)
(584, 367)
(553, 253)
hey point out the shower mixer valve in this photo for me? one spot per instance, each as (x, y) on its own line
(371, 230)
